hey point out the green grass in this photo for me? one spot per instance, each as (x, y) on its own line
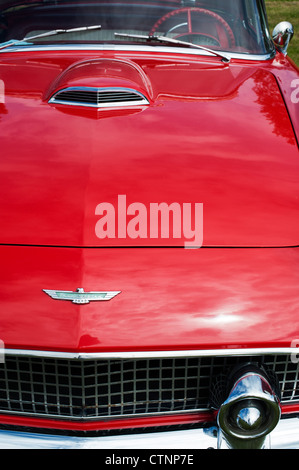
(285, 10)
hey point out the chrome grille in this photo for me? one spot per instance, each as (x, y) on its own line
(90, 389)
(99, 97)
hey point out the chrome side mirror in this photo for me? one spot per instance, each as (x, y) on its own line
(282, 35)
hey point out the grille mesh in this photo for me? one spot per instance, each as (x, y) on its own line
(105, 388)
(99, 97)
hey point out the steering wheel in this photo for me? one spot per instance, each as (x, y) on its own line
(225, 35)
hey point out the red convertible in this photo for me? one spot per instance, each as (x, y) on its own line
(149, 187)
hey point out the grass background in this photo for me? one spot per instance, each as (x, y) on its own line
(285, 10)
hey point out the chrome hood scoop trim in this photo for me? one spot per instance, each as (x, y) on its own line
(100, 83)
(99, 97)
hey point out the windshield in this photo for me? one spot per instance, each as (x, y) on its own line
(223, 25)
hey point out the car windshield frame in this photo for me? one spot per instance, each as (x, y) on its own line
(187, 21)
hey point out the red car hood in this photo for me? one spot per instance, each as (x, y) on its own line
(171, 298)
(213, 134)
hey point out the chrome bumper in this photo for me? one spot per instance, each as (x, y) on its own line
(285, 436)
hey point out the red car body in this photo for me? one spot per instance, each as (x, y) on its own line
(222, 134)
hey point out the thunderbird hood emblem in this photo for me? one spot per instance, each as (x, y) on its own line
(80, 296)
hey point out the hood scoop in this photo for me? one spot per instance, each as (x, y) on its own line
(101, 83)
(99, 97)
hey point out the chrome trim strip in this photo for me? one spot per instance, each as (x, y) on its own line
(190, 439)
(284, 436)
(151, 354)
(106, 418)
(55, 98)
(135, 48)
